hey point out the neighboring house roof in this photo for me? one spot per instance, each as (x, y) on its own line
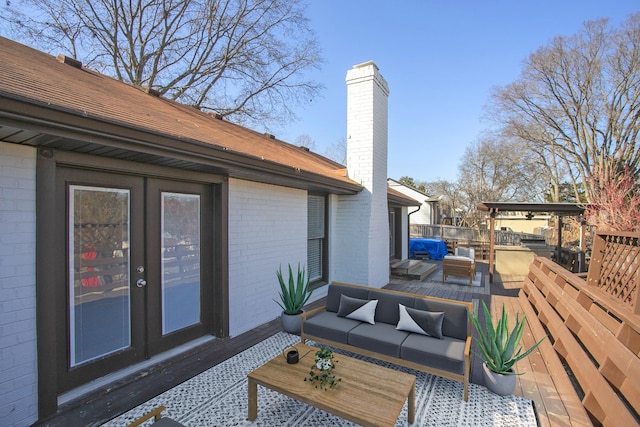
(47, 102)
(397, 198)
(416, 194)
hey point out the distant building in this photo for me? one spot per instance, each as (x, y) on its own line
(428, 212)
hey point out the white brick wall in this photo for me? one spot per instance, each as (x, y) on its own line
(362, 223)
(18, 381)
(267, 228)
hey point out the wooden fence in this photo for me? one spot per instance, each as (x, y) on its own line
(594, 327)
(454, 233)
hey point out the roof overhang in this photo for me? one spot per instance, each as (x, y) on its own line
(394, 197)
(560, 209)
(26, 123)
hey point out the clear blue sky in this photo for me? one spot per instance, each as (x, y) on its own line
(441, 58)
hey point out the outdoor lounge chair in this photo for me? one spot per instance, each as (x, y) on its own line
(156, 414)
(462, 264)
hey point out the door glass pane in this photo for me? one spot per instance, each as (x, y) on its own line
(180, 265)
(99, 309)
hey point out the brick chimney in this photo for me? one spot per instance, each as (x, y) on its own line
(362, 247)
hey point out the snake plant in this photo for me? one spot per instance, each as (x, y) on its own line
(295, 294)
(497, 345)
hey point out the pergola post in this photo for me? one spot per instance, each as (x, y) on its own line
(492, 238)
(559, 246)
(559, 209)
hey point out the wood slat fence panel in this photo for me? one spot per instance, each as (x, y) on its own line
(597, 336)
(562, 404)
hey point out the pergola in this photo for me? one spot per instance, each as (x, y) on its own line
(559, 209)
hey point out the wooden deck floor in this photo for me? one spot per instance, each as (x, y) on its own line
(104, 404)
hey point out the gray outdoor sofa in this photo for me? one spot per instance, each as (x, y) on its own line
(446, 352)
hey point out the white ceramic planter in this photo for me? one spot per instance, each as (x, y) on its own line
(500, 384)
(323, 364)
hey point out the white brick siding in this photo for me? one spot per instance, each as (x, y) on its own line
(18, 379)
(267, 228)
(362, 224)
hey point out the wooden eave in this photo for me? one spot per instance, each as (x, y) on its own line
(25, 122)
(394, 197)
(561, 209)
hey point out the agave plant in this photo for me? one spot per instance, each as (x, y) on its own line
(498, 345)
(295, 294)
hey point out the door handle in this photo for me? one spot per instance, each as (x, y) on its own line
(141, 283)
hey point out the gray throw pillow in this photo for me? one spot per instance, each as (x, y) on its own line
(357, 309)
(421, 321)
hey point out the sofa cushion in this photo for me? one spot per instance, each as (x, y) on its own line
(420, 321)
(446, 354)
(380, 338)
(387, 310)
(329, 326)
(456, 316)
(335, 290)
(357, 309)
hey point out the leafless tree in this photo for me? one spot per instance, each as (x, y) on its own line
(494, 169)
(245, 59)
(304, 140)
(337, 151)
(577, 103)
(449, 194)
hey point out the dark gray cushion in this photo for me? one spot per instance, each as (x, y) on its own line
(329, 326)
(421, 322)
(387, 310)
(334, 292)
(446, 353)
(381, 338)
(348, 305)
(456, 316)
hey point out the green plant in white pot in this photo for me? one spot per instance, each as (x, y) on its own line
(499, 348)
(294, 294)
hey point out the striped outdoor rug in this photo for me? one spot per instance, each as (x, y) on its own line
(218, 397)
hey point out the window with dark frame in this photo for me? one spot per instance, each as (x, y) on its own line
(316, 237)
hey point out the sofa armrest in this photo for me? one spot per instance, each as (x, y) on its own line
(304, 316)
(311, 312)
(467, 349)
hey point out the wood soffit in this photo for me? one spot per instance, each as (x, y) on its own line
(561, 209)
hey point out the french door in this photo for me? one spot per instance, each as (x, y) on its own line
(138, 277)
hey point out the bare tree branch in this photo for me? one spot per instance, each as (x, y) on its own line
(245, 59)
(578, 99)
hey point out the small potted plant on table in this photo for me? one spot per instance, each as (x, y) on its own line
(294, 294)
(498, 350)
(322, 374)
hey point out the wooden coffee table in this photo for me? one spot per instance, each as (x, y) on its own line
(369, 395)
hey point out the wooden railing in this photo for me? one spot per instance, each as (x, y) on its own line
(451, 232)
(593, 328)
(615, 267)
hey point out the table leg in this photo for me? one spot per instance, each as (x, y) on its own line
(411, 416)
(253, 400)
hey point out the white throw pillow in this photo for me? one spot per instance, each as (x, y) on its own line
(420, 321)
(366, 313)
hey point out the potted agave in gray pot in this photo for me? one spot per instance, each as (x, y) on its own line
(499, 350)
(294, 294)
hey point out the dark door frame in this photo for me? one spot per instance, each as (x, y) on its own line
(48, 267)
